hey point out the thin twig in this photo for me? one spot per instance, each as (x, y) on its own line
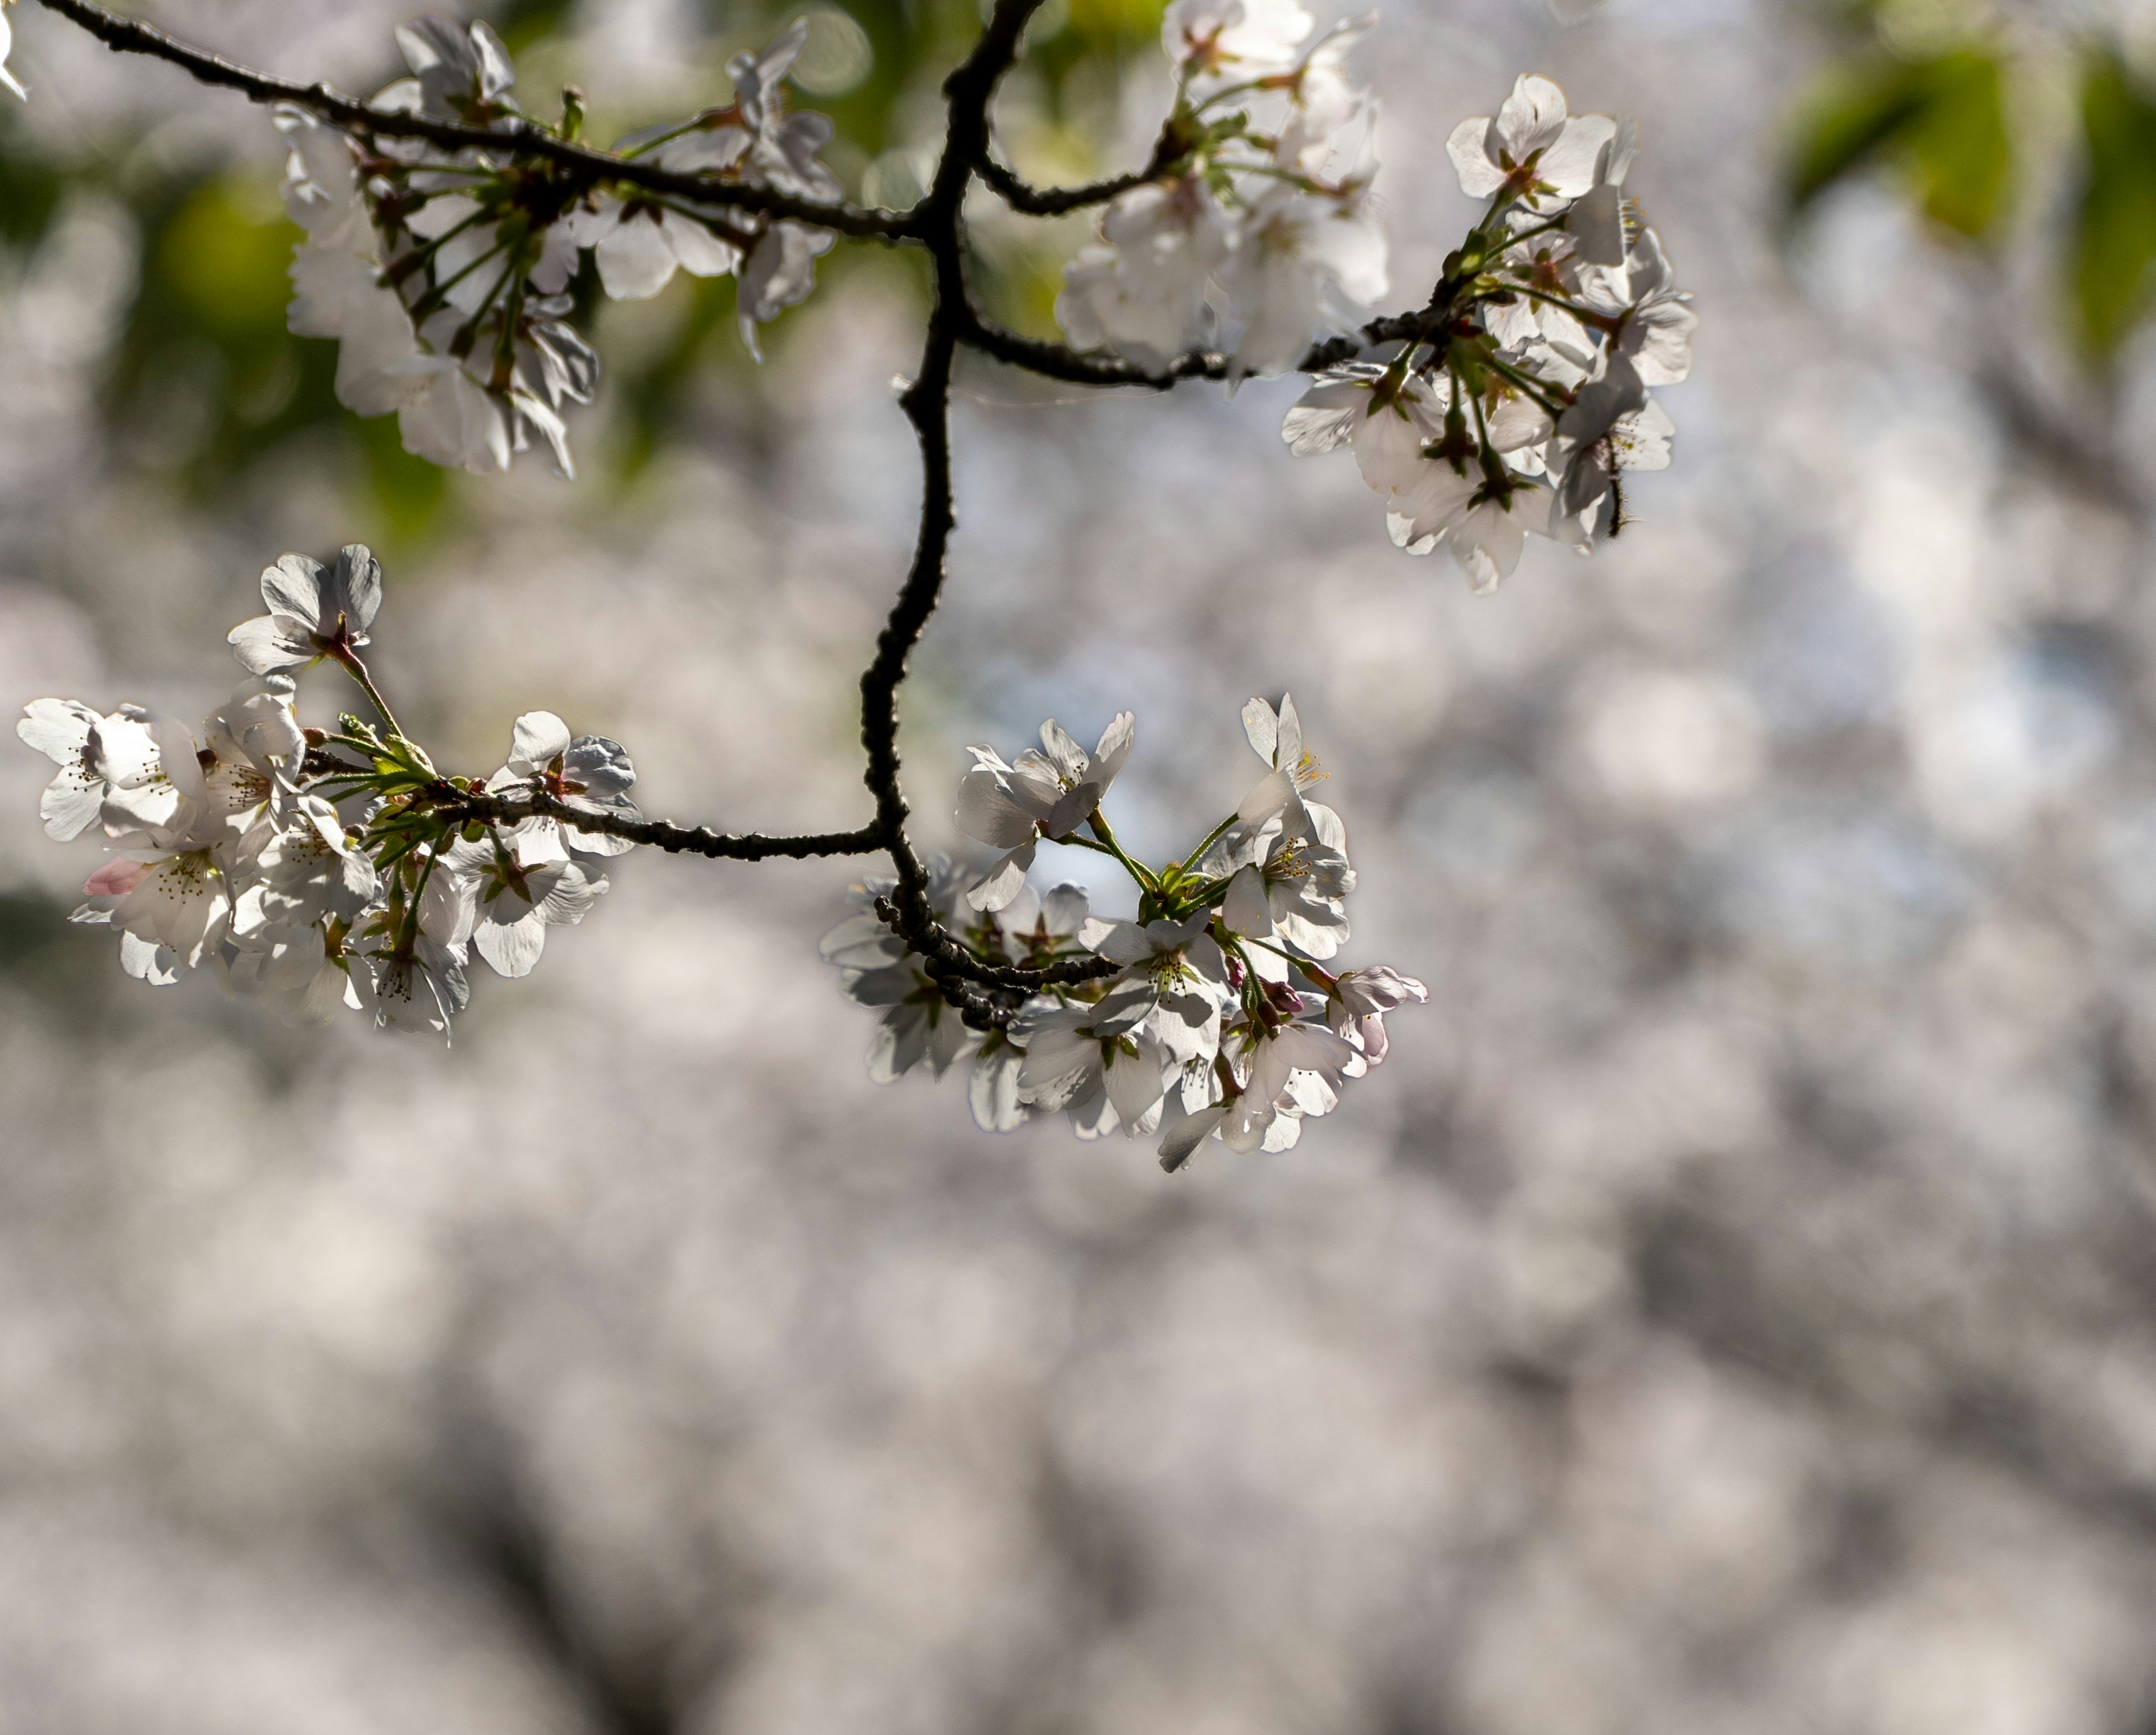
(516, 138)
(508, 807)
(1057, 201)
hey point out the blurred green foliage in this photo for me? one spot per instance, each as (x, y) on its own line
(206, 384)
(2115, 235)
(1940, 119)
(1925, 89)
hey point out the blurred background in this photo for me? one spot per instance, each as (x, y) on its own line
(1731, 1308)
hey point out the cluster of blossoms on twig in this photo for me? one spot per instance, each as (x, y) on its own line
(1523, 406)
(444, 275)
(323, 868)
(1216, 1013)
(1256, 227)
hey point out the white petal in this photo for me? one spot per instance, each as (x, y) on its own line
(1245, 910)
(58, 728)
(988, 812)
(996, 889)
(1187, 1134)
(513, 947)
(540, 738)
(1479, 177)
(1116, 740)
(635, 261)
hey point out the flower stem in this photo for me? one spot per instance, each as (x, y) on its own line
(1137, 870)
(357, 670)
(1212, 838)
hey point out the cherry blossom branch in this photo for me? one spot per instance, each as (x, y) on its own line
(1059, 361)
(926, 403)
(1058, 201)
(519, 138)
(508, 807)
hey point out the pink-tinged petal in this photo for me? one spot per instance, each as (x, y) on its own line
(116, 878)
(1370, 1032)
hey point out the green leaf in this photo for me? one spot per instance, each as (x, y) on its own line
(1941, 120)
(2115, 230)
(1958, 143)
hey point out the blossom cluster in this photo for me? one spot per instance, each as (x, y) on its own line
(444, 275)
(1258, 228)
(1215, 1013)
(1525, 410)
(322, 868)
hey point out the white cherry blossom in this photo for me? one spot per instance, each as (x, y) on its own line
(1301, 262)
(306, 871)
(780, 273)
(108, 765)
(1143, 292)
(1048, 791)
(1095, 1064)
(639, 243)
(1296, 891)
(1532, 149)
(315, 610)
(589, 772)
(1655, 324)
(460, 72)
(520, 889)
(303, 973)
(1176, 973)
(1483, 521)
(168, 886)
(1219, 42)
(1385, 414)
(1323, 98)
(1357, 1001)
